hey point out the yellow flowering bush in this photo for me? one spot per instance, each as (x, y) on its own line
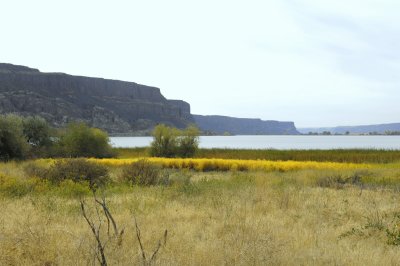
(239, 165)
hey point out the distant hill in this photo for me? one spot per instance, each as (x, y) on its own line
(382, 128)
(115, 106)
(243, 126)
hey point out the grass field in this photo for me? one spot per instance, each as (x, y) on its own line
(265, 213)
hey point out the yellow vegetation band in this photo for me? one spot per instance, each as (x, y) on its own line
(229, 164)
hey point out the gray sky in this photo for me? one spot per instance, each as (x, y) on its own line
(317, 63)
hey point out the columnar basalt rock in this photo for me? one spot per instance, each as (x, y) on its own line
(112, 105)
(244, 126)
(119, 107)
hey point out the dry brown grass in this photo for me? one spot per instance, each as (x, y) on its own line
(230, 218)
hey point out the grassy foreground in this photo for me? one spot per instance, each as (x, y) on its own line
(313, 213)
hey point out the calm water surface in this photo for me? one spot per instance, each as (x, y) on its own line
(278, 142)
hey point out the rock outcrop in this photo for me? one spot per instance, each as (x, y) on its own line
(112, 105)
(243, 126)
(118, 107)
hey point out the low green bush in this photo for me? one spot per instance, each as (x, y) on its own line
(79, 170)
(31, 169)
(145, 173)
(15, 187)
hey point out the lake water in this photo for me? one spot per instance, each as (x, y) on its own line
(278, 142)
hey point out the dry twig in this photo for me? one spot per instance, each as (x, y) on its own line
(156, 250)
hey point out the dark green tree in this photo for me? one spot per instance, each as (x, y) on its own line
(172, 142)
(13, 143)
(164, 141)
(80, 140)
(38, 133)
(188, 141)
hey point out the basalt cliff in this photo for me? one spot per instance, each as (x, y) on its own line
(243, 126)
(118, 107)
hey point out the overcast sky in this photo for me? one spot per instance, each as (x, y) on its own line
(317, 63)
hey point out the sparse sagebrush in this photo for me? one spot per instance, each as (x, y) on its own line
(393, 230)
(378, 225)
(79, 170)
(145, 173)
(32, 169)
(339, 181)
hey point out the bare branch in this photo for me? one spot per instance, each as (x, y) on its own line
(165, 237)
(156, 250)
(153, 257)
(96, 233)
(140, 241)
(108, 215)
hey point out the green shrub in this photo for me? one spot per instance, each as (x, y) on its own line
(164, 141)
(13, 144)
(15, 187)
(188, 142)
(172, 142)
(79, 170)
(145, 173)
(80, 140)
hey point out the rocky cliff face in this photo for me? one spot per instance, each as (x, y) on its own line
(244, 126)
(115, 106)
(118, 107)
